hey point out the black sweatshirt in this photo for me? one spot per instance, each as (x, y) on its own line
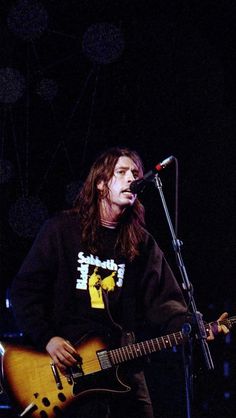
(64, 290)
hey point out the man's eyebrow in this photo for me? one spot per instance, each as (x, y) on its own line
(126, 168)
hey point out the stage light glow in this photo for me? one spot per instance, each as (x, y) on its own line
(6, 171)
(47, 89)
(12, 85)
(26, 216)
(103, 43)
(28, 19)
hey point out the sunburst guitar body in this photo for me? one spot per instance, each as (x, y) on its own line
(38, 389)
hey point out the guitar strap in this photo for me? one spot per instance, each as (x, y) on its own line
(126, 330)
(106, 303)
(128, 304)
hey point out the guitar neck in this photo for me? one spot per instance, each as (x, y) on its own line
(144, 348)
(134, 351)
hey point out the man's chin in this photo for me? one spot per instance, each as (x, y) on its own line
(128, 202)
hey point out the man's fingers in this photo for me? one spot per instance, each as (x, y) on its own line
(65, 359)
(224, 329)
(221, 327)
(62, 352)
(70, 349)
(217, 327)
(223, 316)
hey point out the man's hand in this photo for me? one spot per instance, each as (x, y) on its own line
(217, 328)
(62, 353)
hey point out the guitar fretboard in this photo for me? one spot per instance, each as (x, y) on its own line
(136, 350)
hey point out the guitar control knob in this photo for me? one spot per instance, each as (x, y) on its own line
(46, 401)
(43, 414)
(61, 397)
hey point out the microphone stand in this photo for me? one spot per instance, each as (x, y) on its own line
(201, 331)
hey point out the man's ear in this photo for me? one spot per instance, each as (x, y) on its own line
(100, 185)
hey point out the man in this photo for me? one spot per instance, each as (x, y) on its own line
(96, 269)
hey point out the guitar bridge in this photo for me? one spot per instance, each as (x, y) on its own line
(76, 372)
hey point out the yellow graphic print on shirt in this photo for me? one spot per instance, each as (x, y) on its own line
(96, 284)
(97, 276)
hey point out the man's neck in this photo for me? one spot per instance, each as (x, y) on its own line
(110, 214)
(109, 224)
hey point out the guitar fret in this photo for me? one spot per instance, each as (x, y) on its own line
(142, 343)
(138, 350)
(126, 352)
(163, 342)
(112, 356)
(135, 350)
(116, 356)
(158, 341)
(132, 352)
(148, 347)
(152, 341)
(172, 340)
(129, 352)
(166, 341)
(120, 353)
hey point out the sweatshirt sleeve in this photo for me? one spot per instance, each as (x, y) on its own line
(32, 288)
(163, 303)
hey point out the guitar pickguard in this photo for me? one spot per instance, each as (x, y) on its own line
(105, 381)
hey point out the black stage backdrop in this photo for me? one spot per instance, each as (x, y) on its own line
(77, 77)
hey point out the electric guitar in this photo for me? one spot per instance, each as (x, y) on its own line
(39, 390)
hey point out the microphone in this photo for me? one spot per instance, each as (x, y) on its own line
(138, 185)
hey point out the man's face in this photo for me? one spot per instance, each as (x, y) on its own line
(120, 195)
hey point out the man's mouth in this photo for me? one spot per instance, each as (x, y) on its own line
(127, 191)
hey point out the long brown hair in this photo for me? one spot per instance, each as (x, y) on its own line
(87, 205)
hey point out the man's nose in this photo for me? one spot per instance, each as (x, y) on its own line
(130, 176)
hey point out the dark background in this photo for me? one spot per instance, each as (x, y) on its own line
(77, 77)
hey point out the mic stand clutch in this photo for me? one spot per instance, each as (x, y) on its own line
(197, 316)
